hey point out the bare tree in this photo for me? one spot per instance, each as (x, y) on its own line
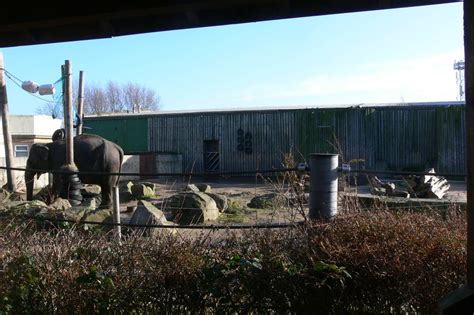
(113, 98)
(114, 95)
(51, 109)
(95, 100)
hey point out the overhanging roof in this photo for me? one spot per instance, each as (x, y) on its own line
(29, 26)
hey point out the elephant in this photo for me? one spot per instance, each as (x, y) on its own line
(92, 153)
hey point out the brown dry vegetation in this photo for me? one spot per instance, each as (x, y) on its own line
(377, 261)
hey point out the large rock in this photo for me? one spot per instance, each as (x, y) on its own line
(191, 187)
(88, 191)
(192, 207)
(26, 207)
(204, 187)
(99, 216)
(221, 201)
(60, 204)
(4, 195)
(125, 191)
(272, 200)
(7, 197)
(142, 191)
(91, 203)
(44, 194)
(147, 214)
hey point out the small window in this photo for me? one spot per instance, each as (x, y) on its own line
(21, 150)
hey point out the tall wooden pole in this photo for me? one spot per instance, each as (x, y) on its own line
(68, 125)
(7, 138)
(80, 103)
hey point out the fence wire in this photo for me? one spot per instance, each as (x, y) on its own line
(256, 172)
(220, 226)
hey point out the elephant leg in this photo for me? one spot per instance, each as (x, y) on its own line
(106, 192)
(55, 187)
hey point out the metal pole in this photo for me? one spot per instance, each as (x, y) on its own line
(323, 186)
(80, 104)
(116, 201)
(7, 138)
(68, 126)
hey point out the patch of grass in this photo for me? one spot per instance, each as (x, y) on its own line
(235, 213)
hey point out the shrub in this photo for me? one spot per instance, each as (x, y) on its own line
(363, 262)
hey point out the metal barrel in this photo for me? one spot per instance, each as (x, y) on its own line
(323, 186)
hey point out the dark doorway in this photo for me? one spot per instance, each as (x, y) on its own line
(211, 156)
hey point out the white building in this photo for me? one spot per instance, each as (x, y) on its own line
(26, 130)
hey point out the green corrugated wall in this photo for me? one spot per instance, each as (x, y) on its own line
(130, 133)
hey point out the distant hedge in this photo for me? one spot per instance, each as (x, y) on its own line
(363, 262)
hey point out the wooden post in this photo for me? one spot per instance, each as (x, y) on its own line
(68, 125)
(461, 301)
(7, 138)
(80, 104)
(116, 204)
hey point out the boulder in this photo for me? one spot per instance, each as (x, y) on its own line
(44, 194)
(221, 201)
(125, 191)
(26, 207)
(60, 204)
(271, 200)
(91, 203)
(94, 215)
(204, 188)
(191, 187)
(147, 214)
(142, 191)
(148, 184)
(125, 187)
(192, 207)
(90, 191)
(4, 195)
(16, 196)
(74, 213)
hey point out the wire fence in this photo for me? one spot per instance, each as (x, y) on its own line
(164, 226)
(299, 170)
(256, 172)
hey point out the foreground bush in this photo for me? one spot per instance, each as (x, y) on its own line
(376, 262)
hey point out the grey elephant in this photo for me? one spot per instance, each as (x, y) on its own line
(91, 154)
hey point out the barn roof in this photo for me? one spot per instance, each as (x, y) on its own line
(264, 109)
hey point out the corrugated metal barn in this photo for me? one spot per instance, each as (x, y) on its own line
(387, 137)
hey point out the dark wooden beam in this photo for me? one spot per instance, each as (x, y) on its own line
(46, 25)
(469, 81)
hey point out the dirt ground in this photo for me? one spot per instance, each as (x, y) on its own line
(239, 192)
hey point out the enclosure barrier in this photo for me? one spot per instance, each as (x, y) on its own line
(323, 171)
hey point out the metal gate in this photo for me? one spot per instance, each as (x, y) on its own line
(211, 156)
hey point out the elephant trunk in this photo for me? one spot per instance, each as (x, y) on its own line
(29, 181)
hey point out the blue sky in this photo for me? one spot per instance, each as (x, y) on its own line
(401, 55)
